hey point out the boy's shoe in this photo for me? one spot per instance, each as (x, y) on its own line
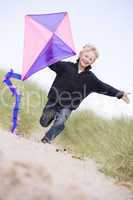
(44, 140)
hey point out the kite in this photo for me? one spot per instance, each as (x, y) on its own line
(47, 40)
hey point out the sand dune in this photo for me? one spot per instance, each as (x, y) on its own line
(35, 171)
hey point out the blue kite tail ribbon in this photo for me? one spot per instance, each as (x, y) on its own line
(17, 96)
(15, 112)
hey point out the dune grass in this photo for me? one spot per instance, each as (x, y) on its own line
(109, 142)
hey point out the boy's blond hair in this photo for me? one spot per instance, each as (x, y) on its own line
(89, 47)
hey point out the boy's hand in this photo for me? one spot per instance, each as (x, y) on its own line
(126, 98)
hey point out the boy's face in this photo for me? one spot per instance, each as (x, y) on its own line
(87, 58)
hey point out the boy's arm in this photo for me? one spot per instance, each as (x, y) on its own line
(58, 67)
(103, 88)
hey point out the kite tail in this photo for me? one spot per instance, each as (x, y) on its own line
(15, 112)
(13, 90)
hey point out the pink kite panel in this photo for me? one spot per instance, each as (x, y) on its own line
(36, 37)
(64, 32)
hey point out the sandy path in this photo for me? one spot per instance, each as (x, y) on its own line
(31, 170)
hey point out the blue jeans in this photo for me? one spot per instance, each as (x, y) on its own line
(57, 114)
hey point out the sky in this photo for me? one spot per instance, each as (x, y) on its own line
(108, 24)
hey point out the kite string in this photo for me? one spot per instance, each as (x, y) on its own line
(14, 92)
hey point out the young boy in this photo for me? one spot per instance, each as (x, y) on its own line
(73, 82)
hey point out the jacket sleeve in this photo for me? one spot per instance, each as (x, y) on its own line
(58, 67)
(105, 89)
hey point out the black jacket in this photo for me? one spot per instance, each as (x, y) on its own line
(70, 87)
